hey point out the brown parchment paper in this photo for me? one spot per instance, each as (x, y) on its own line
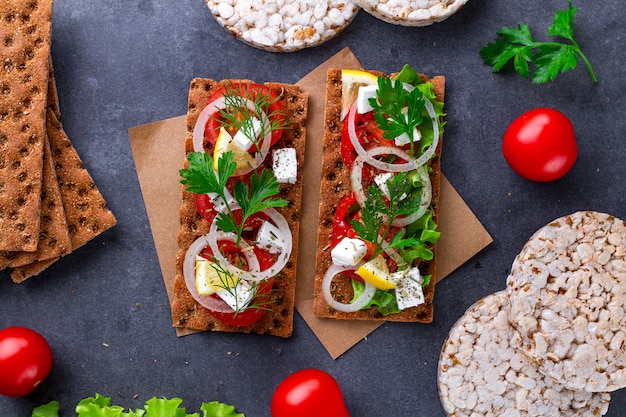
(158, 150)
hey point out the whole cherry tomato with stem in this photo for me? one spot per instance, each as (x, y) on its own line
(540, 145)
(25, 361)
(308, 393)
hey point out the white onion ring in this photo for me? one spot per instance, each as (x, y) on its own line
(411, 163)
(358, 304)
(220, 104)
(189, 271)
(254, 276)
(356, 181)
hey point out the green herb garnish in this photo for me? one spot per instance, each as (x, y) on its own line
(379, 211)
(397, 111)
(548, 58)
(237, 114)
(200, 178)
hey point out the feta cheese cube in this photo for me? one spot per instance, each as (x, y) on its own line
(348, 252)
(239, 297)
(285, 165)
(268, 237)
(409, 292)
(251, 125)
(219, 203)
(362, 101)
(381, 182)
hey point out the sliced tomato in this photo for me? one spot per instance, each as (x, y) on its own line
(274, 110)
(368, 133)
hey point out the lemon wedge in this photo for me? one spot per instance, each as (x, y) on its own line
(208, 280)
(224, 143)
(375, 272)
(351, 80)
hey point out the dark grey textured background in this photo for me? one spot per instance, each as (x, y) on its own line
(124, 63)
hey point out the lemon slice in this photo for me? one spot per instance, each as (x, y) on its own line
(224, 143)
(375, 272)
(351, 80)
(208, 280)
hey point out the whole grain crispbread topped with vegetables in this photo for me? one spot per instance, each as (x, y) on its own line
(245, 150)
(379, 196)
(568, 300)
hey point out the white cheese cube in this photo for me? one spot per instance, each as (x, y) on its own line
(362, 100)
(268, 237)
(381, 182)
(404, 138)
(251, 125)
(409, 292)
(285, 165)
(348, 252)
(238, 297)
(219, 203)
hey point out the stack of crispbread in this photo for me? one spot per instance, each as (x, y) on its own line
(49, 204)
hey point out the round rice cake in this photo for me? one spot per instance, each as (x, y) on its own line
(567, 290)
(283, 25)
(482, 372)
(411, 12)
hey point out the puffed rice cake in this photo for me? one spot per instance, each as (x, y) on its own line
(482, 372)
(283, 25)
(568, 300)
(411, 13)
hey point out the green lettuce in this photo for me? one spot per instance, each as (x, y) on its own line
(100, 406)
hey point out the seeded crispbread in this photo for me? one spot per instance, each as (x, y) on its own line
(335, 183)
(283, 26)
(86, 211)
(411, 12)
(278, 321)
(25, 31)
(483, 372)
(54, 237)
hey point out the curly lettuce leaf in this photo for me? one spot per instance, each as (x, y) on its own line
(100, 406)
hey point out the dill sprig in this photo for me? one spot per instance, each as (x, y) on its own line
(237, 115)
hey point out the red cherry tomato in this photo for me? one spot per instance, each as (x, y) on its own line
(25, 361)
(308, 393)
(540, 145)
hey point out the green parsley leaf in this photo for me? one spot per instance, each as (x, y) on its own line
(200, 178)
(397, 111)
(548, 58)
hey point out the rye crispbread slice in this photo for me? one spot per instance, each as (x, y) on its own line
(335, 184)
(54, 237)
(86, 211)
(278, 321)
(25, 33)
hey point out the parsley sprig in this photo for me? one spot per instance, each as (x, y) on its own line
(378, 213)
(201, 178)
(237, 116)
(397, 111)
(548, 58)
